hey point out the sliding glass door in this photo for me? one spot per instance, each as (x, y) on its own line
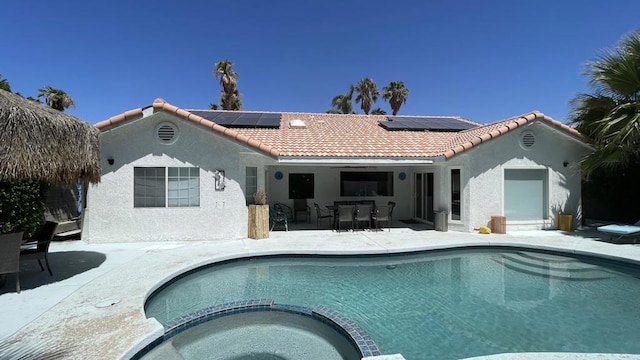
(423, 196)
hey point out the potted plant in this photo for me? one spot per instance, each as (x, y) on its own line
(259, 216)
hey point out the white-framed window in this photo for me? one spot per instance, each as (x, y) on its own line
(166, 187)
(456, 194)
(251, 183)
(184, 187)
(526, 195)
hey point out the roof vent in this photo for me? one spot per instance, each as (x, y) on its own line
(297, 123)
(527, 140)
(166, 133)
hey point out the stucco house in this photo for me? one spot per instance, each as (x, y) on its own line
(176, 174)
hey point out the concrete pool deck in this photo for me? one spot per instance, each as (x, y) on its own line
(92, 308)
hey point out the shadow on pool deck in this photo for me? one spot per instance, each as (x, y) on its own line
(64, 265)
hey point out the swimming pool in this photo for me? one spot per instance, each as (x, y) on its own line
(439, 305)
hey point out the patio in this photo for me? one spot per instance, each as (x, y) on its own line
(93, 305)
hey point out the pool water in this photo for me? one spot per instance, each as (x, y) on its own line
(439, 305)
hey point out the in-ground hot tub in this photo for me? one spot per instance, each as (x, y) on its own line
(261, 330)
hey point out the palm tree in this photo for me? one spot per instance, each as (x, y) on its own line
(56, 98)
(396, 93)
(342, 104)
(4, 84)
(611, 115)
(367, 94)
(378, 111)
(229, 97)
(230, 101)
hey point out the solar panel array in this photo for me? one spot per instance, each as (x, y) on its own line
(241, 119)
(425, 123)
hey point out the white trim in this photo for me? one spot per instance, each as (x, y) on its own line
(449, 200)
(564, 134)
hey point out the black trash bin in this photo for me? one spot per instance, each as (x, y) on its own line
(441, 222)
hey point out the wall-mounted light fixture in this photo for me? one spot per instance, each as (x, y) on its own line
(110, 161)
(565, 164)
(218, 175)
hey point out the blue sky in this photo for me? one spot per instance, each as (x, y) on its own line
(481, 59)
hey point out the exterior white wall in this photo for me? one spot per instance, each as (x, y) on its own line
(110, 215)
(483, 176)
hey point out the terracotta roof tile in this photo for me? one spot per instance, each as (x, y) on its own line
(469, 138)
(348, 136)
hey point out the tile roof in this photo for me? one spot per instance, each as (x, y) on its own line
(350, 136)
(467, 139)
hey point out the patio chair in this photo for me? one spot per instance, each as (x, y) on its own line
(286, 209)
(278, 217)
(617, 232)
(300, 206)
(10, 256)
(382, 213)
(345, 214)
(362, 214)
(392, 206)
(323, 214)
(38, 249)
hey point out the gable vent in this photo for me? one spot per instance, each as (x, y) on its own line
(166, 133)
(527, 140)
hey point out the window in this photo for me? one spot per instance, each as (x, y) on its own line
(301, 186)
(456, 201)
(184, 187)
(378, 183)
(251, 183)
(525, 194)
(150, 186)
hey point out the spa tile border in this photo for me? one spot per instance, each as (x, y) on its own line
(352, 331)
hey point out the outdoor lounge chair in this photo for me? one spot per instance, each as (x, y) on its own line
(38, 249)
(323, 214)
(10, 257)
(617, 232)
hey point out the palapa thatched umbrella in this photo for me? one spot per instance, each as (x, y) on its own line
(40, 143)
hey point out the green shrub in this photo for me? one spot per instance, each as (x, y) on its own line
(22, 205)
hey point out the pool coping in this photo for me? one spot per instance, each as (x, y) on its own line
(70, 320)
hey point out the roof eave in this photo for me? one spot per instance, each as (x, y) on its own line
(315, 160)
(160, 105)
(517, 122)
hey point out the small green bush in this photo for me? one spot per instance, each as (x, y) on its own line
(22, 205)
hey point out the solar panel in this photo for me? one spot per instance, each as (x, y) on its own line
(240, 119)
(425, 123)
(246, 120)
(269, 120)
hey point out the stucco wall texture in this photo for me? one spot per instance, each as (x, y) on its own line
(110, 215)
